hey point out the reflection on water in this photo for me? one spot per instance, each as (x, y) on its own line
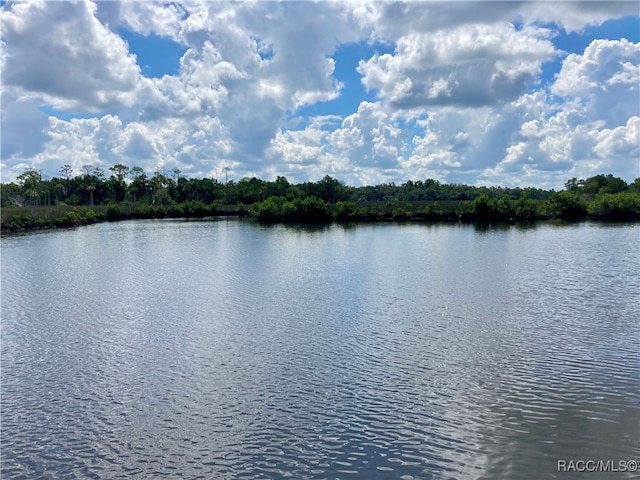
(224, 349)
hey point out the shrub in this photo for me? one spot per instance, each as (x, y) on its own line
(526, 209)
(348, 211)
(432, 211)
(565, 205)
(400, 214)
(315, 209)
(113, 211)
(618, 205)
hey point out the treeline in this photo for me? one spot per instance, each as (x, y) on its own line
(564, 205)
(124, 184)
(131, 193)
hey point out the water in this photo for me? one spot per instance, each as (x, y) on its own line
(223, 349)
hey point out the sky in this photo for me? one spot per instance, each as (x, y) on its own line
(482, 93)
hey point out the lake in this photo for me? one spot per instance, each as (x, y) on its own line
(225, 349)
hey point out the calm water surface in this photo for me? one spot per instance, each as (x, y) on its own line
(223, 349)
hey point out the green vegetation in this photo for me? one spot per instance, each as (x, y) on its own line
(35, 202)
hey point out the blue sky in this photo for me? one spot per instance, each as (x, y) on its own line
(157, 56)
(485, 93)
(353, 92)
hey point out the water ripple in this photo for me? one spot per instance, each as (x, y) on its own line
(225, 350)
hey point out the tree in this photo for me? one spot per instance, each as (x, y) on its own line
(120, 171)
(574, 185)
(566, 205)
(485, 208)
(159, 183)
(315, 209)
(30, 181)
(12, 194)
(526, 209)
(604, 184)
(58, 190)
(616, 205)
(482, 207)
(279, 188)
(87, 170)
(116, 186)
(66, 171)
(91, 189)
(328, 189)
(139, 184)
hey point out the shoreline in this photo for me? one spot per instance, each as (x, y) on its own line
(73, 216)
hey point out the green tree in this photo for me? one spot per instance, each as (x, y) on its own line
(616, 205)
(139, 186)
(566, 205)
(604, 184)
(120, 172)
(574, 185)
(279, 188)
(30, 180)
(348, 211)
(526, 209)
(271, 210)
(116, 185)
(329, 189)
(315, 209)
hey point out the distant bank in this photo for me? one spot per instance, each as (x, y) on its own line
(35, 203)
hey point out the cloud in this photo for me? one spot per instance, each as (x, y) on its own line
(69, 143)
(201, 86)
(390, 21)
(198, 148)
(295, 148)
(463, 96)
(606, 78)
(576, 16)
(24, 127)
(369, 137)
(622, 142)
(60, 53)
(245, 71)
(145, 18)
(469, 66)
(462, 144)
(568, 143)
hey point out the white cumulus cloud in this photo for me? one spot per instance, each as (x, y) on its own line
(59, 52)
(471, 65)
(460, 91)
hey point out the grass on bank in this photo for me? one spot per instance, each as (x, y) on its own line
(14, 219)
(564, 205)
